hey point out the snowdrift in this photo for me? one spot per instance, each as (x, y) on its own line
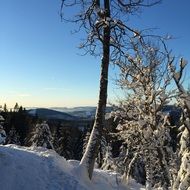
(32, 168)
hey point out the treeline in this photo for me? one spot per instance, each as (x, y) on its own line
(26, 130)
(70, 142)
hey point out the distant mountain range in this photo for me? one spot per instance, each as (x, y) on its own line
(45, 113)
(81, 112)
(87, 113)
(63, 113)
(81, 108)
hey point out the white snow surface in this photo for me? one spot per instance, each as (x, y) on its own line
(37, 168)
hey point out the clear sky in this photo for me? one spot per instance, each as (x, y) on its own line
(39, 61)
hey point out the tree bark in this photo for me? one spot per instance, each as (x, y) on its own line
(89, 157)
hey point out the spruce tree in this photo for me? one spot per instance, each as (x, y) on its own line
(42, 136)
(13, 137)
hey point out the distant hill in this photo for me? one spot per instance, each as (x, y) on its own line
(75, 109)
(81, 112)
(87, 112)
(63, 113)
(45, 113)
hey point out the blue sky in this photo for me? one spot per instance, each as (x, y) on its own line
(39, 60)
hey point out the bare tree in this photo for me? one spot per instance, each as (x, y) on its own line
(146, 78)
(105, 23)
(184, 97)
(145, 130)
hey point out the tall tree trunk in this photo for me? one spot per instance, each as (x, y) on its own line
(89, 157)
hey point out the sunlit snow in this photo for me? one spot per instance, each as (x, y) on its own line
(41, 169)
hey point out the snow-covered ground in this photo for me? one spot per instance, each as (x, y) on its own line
(30, 168)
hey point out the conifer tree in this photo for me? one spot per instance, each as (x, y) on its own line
(85, 141)
(42, 136)
(68, 143)
(16, 107)
(2, 135)
(56, 136)
(13, 137)
(2, 131)
(5, 108)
